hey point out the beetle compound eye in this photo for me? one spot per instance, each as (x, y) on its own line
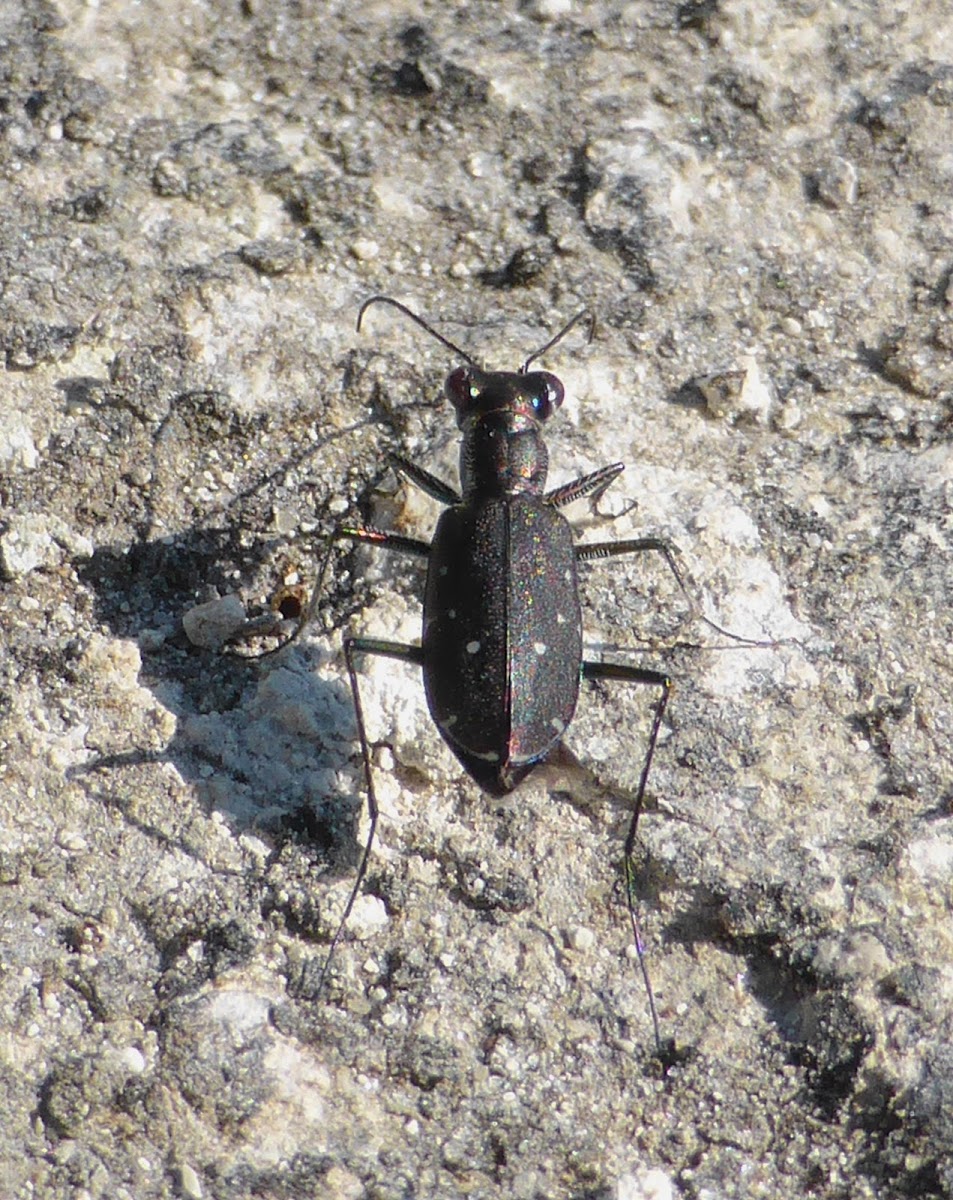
(460, 388)
(548, 395)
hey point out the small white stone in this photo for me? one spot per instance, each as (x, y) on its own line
(133, 1060)
(652, 1184)
(189, 1182)
(365, 249)
(210, 625)
(580, 938)
(26, 544)
(71, 840)
(17, 447)
(368, 916)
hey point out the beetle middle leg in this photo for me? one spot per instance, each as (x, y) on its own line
(640, 675)
(592, 550)
(353, 646)
(384, 538)
(589, 551)
(595, 485)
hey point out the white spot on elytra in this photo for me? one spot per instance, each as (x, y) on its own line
(540, 648)
(489, 756)
(560, 619)
(448, 722)
(472, 647)
(443, 571)
(558, 725)
(451, 613)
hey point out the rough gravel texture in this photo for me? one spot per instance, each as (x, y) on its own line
(754, 198)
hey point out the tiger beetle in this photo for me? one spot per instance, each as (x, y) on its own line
(501, 651)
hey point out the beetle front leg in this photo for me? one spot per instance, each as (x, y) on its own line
(434, 487)
(593, 485)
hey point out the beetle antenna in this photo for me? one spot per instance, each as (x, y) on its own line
(417, 321)
(585, 315)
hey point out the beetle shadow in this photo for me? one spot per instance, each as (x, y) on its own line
(284, 766)
(596, 768)
(269, 744)
(607, 804)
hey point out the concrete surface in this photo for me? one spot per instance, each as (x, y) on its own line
(194, 201)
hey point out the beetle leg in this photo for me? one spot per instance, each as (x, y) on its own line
(593, 485)
(428, 483)
(386, 539)
(668, 550)
(639, 675)
(352, 647)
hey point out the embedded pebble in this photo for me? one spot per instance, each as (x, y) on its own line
(211, 624)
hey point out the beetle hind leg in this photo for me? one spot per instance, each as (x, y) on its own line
(354, 646)
(625, 673)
